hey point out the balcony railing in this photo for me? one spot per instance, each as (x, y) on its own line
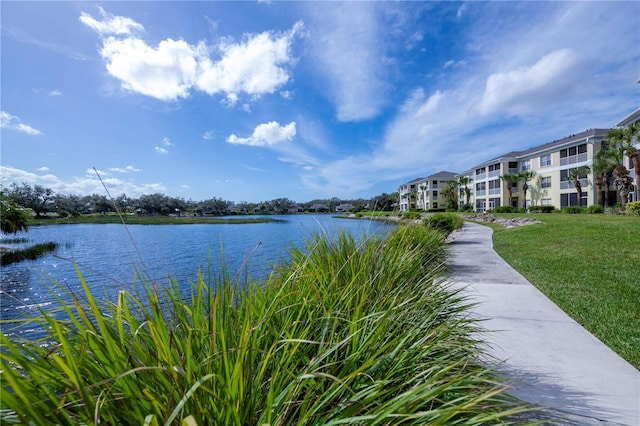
(494, 173)
(481, 176)
(494, 191)
(565, 184)
(572, 159)
(513, 171)
(480, 193)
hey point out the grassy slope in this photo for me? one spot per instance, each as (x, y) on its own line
(589, 265)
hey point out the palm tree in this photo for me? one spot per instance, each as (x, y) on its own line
(450, 193)
(464, 181)
(619, 144)
(509, 180)
(574, 175)
(623, 183)
(602, 165)
(525, 176)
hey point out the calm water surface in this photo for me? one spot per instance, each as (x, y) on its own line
(113, 257)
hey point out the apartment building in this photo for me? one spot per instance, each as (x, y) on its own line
(550, 164)
(424, 193)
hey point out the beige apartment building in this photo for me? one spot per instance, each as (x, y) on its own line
(550, 164)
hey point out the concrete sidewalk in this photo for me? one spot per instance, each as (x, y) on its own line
(553, 361)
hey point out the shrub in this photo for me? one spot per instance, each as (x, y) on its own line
(504, 209)
(444, 222)
(437, 210)
(411, 215)
(633, 208)
(346, 332)
(466, 208)
(573, 210)
(541, 209)
(595, 209)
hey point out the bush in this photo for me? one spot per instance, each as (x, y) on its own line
(504, 209)
(633, 208)
(573, 210)
(411, 215)
(595, 209)
(541, 209)
(444, 222)
(437, 210)
(466, 208)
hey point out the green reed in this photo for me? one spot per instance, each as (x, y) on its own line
(348, 331)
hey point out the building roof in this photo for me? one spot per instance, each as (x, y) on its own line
(630, 119)
(442, 175)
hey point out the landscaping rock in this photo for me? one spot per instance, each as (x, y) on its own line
(508, 222)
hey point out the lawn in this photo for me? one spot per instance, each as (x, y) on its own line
(589, 265)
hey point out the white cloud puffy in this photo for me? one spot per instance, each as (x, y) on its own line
(12, 122)
(160, 150)
(266, 134)
(166, 142)
(521, 90)
(43, 169)
(256, 66)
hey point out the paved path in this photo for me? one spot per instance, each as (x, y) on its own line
(553, 360)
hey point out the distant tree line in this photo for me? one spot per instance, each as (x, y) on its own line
(44, 201)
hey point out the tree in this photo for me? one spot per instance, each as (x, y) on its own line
(464, 181)
(602, 165)
(509, 180)
(13, 218)
(620, 143)
(525, 176)
(37, 198)
(450, 193)
(623, 183)
(575, 175)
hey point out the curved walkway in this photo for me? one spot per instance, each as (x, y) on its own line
(553, 361)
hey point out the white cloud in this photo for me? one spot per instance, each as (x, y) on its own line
(266, 134)
(161, 150)
(87, 184)
(166, 142)
(43, 169)
(256, 66)
(55, 92)
(523, 90)
(111, 24)
(209, 135)
(347, 45)
(12, 122)
(128, 169)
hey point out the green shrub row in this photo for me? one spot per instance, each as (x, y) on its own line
(349, 331)
(541, 209)
(444, 222)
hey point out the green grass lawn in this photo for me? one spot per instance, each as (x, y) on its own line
(589, 265)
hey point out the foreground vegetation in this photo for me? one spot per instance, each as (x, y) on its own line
(347, 332)
(588, 266)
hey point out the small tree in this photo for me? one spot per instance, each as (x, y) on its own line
(623, 183)
(509, 180)
(525, 176)
(464, 182)
(574, 176)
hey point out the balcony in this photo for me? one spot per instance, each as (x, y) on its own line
(481, 193)
(565, 184)
(494, 173)
(494, 191)
(481, 176)
(572, 159)
(513, 171)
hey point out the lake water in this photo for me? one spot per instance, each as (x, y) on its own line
(111, 256)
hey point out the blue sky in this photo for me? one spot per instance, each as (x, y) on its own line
(252, 101)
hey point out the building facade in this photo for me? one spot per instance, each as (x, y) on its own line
(551, 167)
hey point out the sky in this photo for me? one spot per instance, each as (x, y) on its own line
(253, 101)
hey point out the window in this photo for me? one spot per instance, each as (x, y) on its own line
(575, 154)
(546, 201)
(526, 165)
(545, 160)
(545, 182)
(571, 199)
(434, 194)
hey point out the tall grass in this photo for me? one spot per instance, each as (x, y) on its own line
(348, 331)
